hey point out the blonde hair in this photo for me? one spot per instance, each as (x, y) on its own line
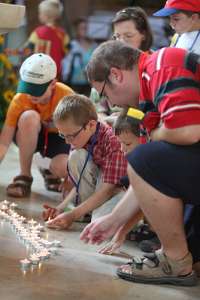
(52, 8)
(76, 108)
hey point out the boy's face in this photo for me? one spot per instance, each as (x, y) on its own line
(128, 141)
(181, 23)
(77, 136)
(46, 97)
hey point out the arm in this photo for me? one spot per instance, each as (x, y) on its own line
(186, 135)
(64, 220)
(105, 227)
(104, 193)
(120, 236)
(6, 138)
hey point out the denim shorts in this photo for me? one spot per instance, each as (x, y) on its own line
(171, 169)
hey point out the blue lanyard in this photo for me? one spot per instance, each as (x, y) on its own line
(193, 43)
(93, 141)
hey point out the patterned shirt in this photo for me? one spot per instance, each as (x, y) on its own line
(170, 85)
(108, 156)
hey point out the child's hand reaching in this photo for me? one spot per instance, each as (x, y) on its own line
(115, 244)
(49, 212)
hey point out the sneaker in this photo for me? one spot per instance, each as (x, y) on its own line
(141, 233)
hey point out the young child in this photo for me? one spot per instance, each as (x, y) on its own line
(95, 165)
(185, 20)
(50, 38)
(29, 122)
(127, 130)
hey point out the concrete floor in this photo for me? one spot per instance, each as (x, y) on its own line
(78, 272)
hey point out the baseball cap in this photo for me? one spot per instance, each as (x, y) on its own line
(11, 17)
(173, 6)
(36, 73)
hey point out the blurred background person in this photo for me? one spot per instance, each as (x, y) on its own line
(74, 63)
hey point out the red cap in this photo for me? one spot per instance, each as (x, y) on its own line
(173, 6)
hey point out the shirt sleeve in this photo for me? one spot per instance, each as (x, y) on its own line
(176, 94)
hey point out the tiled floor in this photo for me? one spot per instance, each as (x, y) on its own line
(78, 272)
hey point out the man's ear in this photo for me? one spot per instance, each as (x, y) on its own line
(116, 75)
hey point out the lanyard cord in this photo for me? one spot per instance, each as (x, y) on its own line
(90, 151)
(193, 43)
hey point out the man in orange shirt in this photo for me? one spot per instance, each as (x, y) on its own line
(29, 121)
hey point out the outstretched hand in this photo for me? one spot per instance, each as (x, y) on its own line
(62, 221)
(49, 212)
(99, 230)
(114, 245)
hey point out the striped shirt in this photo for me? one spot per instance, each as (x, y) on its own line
(170, 85)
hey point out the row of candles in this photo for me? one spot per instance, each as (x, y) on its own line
(29, 233)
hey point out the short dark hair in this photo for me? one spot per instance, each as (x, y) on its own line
(111, 54)
(124, 123)
(139, 18)
(77, 108)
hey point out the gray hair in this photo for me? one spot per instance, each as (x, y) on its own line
(111, 54)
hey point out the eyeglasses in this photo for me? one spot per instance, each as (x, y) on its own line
(124, 37)
(103, 88)
(70, 137)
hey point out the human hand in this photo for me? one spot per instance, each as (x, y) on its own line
(62, 221)
(49, 212)
(100, 230)
(114, 245)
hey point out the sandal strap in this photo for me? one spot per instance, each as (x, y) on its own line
(159, 258)
(25, 180)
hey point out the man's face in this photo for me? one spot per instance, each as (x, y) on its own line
(121, 88)
(181, 23)
(46, 97)
(77, 136)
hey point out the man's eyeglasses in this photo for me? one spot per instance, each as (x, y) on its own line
(103, 88)
(70, 137)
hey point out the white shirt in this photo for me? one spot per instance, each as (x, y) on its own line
(188, 40)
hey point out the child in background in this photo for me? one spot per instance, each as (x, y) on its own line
(185, 20)
(74, 63)
(49, 38)
(95, 166)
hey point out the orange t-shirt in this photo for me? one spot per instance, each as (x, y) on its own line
(21, 103)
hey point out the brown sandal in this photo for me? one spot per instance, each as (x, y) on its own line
(51, 182)
(22, 182)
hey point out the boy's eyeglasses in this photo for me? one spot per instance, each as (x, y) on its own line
(70, 137)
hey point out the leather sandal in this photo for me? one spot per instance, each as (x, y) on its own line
(51, 182)
(157, 268)
(22, 183)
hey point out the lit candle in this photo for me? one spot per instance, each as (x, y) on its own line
(34, 259)
(25, 263)
(32, 222)
(13, 205)
(56, 243)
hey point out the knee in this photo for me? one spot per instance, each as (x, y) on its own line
(29, 120)
(58, 165)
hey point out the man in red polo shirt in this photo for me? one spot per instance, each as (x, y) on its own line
(164, 173)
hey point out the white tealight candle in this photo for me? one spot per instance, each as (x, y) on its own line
(32, 222)
(25, 263)
(13, 205)
(56, 243)
(34, 259)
